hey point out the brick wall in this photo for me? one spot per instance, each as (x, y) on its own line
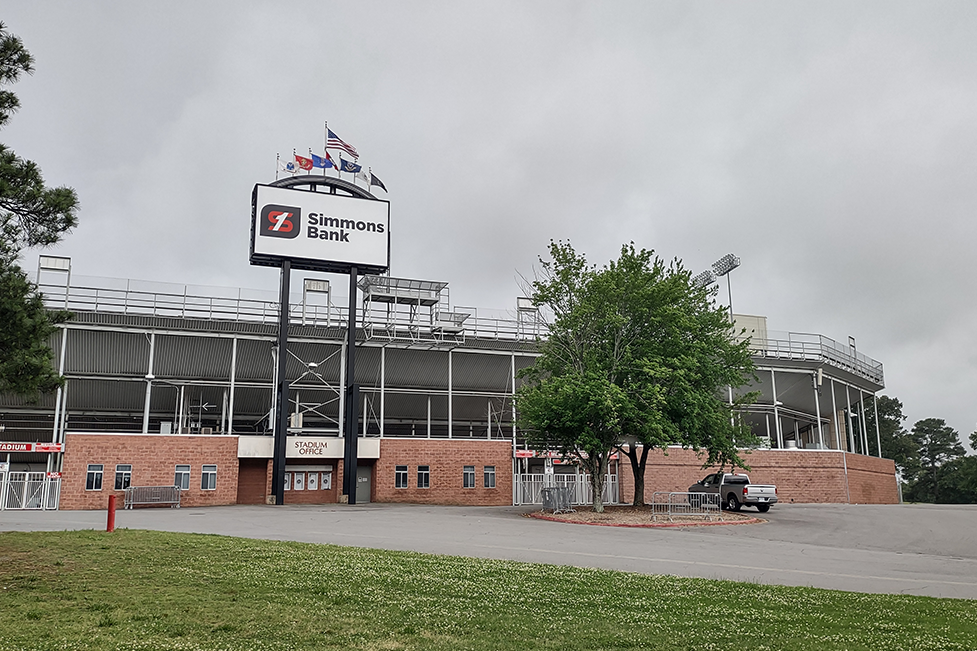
(800, 475)
(446, 459)
(153, 459)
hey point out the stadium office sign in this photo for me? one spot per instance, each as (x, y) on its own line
(12, 446)
(318, 230)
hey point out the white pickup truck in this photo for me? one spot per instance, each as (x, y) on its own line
(736, 490)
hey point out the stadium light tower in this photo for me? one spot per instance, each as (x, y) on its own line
(722, 267)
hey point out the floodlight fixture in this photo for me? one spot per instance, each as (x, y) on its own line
(725, 264)
(704, 279)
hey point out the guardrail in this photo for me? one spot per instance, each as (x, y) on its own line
(671, 505)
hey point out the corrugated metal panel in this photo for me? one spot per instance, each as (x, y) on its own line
(254, 360)
(473, 372)
(325, 355)
(420, 369)
(107, 353)
(107, 395)
(195, 357)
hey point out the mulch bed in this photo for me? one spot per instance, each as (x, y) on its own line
(642, 516)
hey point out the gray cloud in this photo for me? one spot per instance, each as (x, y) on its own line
(830, 145)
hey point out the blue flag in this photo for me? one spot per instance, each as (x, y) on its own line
(346, 166)
(323, 162)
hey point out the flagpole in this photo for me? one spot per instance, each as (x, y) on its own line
(278, 164)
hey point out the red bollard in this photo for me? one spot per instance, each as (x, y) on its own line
(110, 526)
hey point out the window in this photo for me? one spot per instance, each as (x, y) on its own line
(288, 481)
(123, 476)
(489, 476)
(468, 477)
(208, 478)
(298, 481)
(400, 477)
(423, 476)
(181, 479)
(326, 483)
(94, 480)
(313, 481)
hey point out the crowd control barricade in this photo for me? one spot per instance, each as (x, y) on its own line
(668, 506)
(557, 499)
(152, 496)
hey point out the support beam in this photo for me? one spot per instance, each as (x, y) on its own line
(817, 406)
(352, 391)
(878, 433)
(149, 385)
(834, 415)
(230, 406)
(383, 388)
(281, 401)
(776, 411)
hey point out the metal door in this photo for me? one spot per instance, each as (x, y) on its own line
(363, 483)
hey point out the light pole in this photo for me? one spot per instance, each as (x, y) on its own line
(722, 267)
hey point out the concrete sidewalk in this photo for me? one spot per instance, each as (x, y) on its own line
(922, 550)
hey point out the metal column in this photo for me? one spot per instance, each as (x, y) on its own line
(352, 397)
(230, 407)
(281, 401)
(776, 411)
(149, 384)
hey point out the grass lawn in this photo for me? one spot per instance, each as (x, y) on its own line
(151, 590)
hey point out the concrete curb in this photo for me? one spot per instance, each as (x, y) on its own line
(653, 525)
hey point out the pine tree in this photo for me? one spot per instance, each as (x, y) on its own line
(31, 214)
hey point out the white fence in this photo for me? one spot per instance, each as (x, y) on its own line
(528, 488)
(29, 490)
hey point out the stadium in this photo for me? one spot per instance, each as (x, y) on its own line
(176, 385)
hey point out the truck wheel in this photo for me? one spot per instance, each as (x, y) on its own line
(732, 504)
(762, 508)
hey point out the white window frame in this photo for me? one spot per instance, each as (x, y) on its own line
(468, 477)
(208, 477)
(486, 474)
(95, 476)
(123, 476)
(181, 476)
(401, 474)
(423, 476)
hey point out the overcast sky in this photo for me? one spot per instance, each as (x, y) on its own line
(830, 145)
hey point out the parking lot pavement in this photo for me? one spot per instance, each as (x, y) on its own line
(912, 549)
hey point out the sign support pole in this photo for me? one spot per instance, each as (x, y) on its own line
(281, 424)
(352, 398)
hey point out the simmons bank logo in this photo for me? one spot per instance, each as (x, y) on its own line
(280, 221)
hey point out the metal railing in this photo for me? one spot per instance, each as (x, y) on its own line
(529, 488)
(152, 496)
(145, 298)
(817, 348)
(29, 491)
(672, 505)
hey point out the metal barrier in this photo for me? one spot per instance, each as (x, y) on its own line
(687, 505)
(29, 491)
(529, 487)
(557, 499)
(152, 496)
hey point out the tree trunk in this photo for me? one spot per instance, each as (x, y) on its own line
(596, 466)
(638, 466)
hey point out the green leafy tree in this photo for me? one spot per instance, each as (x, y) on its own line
(957, 482)
(637, 357)
(31, 214)
(897, 443)
(938, 445)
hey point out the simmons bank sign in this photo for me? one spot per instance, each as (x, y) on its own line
(319, 231)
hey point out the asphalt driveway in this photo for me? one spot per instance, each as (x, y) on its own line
(914, 549)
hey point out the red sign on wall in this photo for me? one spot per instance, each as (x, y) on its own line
(12, 446)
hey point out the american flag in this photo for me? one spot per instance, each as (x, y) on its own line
(335, 142)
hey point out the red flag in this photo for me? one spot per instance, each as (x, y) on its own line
(304, 163)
